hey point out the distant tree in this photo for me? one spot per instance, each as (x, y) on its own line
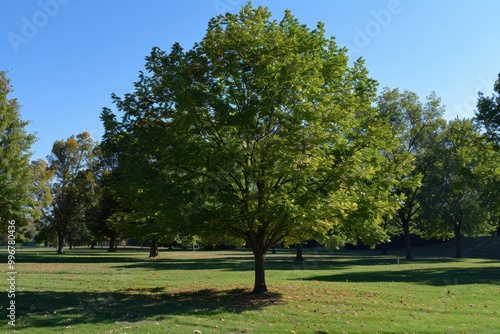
(73, 187)
(145, 191)
(415, 125)
(488, 114)
(98, 219)
(452, 197)
(45, 235)
(77, 233)
(98, 215)
(17, 181)
(262, 130)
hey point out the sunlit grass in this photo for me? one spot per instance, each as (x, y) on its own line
(87, 291)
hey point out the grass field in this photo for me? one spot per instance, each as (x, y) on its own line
(86, 291)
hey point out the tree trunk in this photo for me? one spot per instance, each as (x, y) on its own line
(406, 229)
(458, 241)
(153, 251)
(112, 248)
(92, 245)
(298, 256)
(60, 243)
(260, 275)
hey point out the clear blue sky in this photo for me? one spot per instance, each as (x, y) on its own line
(66, 57)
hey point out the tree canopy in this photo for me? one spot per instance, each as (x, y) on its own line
(17, 178)
(455, 196)
(488, 113)
(415, 125)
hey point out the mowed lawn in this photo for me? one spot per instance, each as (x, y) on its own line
(92, 291)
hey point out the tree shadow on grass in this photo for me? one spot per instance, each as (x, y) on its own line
(80, 256)
(430, 276)
(285, 263)
(240, 261)
(55, 309)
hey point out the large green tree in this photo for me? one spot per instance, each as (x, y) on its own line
(17, 180)
(415, 125)
(73, 188)
(260, 131)
(455, 195)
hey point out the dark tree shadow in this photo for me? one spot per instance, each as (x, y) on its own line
(52, 308)
(314, 260)
(83, 255)
(431, 276)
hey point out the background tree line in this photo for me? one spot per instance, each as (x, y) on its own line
(262, 133)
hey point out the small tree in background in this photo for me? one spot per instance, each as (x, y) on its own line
(453, 204)
(415, 125)
(73, 188)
